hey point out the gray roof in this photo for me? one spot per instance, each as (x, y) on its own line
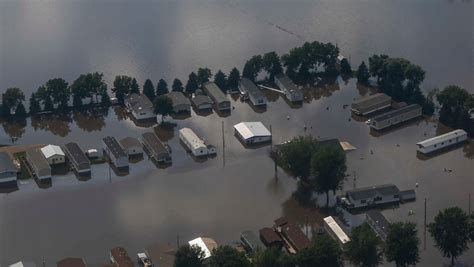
(370, 101)
(36, 158)
(178, 98)
(138, 102)
(6, 163)
(201, 100)
(128, 142)
(397, 112)
(370, 192)
(287, 82)
(251, 88)
(380, 221)
(76, 155)
(252, 239)
(114, 147)
(215, 92)
(153, 143)
(332, 142)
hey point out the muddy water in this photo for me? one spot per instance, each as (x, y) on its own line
(192, 198)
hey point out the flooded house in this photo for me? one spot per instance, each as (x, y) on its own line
(206, 244)
(221, 102)
(292, 236)
(38, 164)
(132, 146)
(196, 145)
(71, 262)
(53, 154)
(115, 152)
(8, 171)
(120, 258)
(289, 88)
(252, 132)
(78, 160)
(395, 117)
(270, 238)
(201, 102)
(156, 149)
(251, 242)
(181, 103)
(140, 107)
(161, 255)
(369, 104)
(335, 230)
(371, 196)
(254, 94)
(378, 223)
(23, 264)
(442, 141)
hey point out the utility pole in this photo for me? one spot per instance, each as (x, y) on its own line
(469, 206)
(177, 241)
(223, 145)
(110, 168)
(355, 179)
(424, 232)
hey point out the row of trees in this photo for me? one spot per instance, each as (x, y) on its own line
(457, 107)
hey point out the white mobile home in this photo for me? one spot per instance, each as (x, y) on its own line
(254, 94)
(252, 132)
(53, 154)
(335, 231)
(371, 103)
(292, 92)
(395, 117)
(442, 141)
(195, 144)
(115, 152)
(371, 196)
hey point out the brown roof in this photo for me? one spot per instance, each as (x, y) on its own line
(280, 221)
(121, 257)
(161, 254)
(292, 233)
(71, 262)
(269, 237)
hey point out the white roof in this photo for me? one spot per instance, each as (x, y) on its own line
(192, 138)
(441, 138)
(205, 244)
(23, 264)
(340, 57)
(251, 129)
(343, 238)
(51, 150)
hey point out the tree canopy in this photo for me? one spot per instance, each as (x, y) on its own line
(272, 257)
(324, 252)
(456, 104)
(34, 104)
(365, 248)
(295, 156)
(203, 76)
(226, 256)
(252, 68)
(122, 87)
(149, 89)
(233, 79)
(163, 106)
(88, 85)
(59, 91)
(134, 87)
(193, 84)
(12, 98)
(177, 86)
(189, 256)
(161, 87)
(363, 74)
(271, 64)
(221, 80)
(402, 244)
(346, 67)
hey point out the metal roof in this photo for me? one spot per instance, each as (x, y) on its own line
(178, 98)
(153, 143)
(370, 192)
(397, 112)
(442, 138)
(201, 99)
(128, 142)
(251, 129)
(252, 239)
(192, 138)
(371, 100)
(37, 159)
(205, 244)
(251, 88)
(120, 255)
(289, 84)
(139, 102)
(6, 163)
(215, 92)
(52, 150)
(337, 230)
(76, 155)
(114, 147)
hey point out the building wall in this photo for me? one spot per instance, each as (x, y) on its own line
(56, 159)
(396, 120)
(7, 177)
(181, 108)
(204, 106)
(452, 141)
(121, 162)
(134, 150)
(201, 151)
(259, 139)
(223, 105)
(366, 202)
(144, 115)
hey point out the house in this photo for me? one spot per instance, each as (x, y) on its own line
(206, 244)
(180, 102)
(39, 165)
(140, 107)
(339, 59)
(119, 257)
(71, 262)
(23, 264)
(254, 94)
(407, 195)
(161, 255)
(53, 154)
(252, 132)
(78, 160)
(442, 141)
(291, 91)
(368, 104)
(378, 223)
(132, 146)
(395, 117)
(221, 102)
(292, 236)
(201, 102)
(196, 145)
(270, 238)
(251, 242)
(371, 196)
(8, 171)
(115, 152)
(155, 148)
(334, 229)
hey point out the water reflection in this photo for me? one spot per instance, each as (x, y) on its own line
(57, 124)
(91, 119)
(14, 128)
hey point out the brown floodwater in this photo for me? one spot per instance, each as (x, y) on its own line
(211, 197)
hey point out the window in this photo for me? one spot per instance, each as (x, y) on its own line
(363, 201)
(396, 196)
(377, 198)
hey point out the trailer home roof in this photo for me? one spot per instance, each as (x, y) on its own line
(215, 92)
(397, 112)
(154, 143)
(251, 88)
(129, 142)
(337, 230)
(289, 84)
(369, 192)
(371, 100)
(441, 138)
(114, 147)
(6, 163)
(76, 155)
(178, 98)
(251, 129)
(51, 150)
(192, 138)
(36, 158)
(139, 102)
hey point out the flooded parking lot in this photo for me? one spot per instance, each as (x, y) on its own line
(192, 198)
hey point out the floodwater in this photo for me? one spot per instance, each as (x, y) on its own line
(40, 40)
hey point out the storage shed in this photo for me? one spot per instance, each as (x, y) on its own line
(115, 152)
(155, 148)
(368, 104)
(132, 146)
(180, 102)
(39, 165)
(442, 141)
(196, 145)
(252, 132)
(77, 158)
(291, 91)
(254, 94)
(395, 117)
(215, 93)
(53, 154)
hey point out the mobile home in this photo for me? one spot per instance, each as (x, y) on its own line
(371, 196)
(368, 104)
(77, 158)
(132, 146)
(115, 152)
(39, 164)
(291, 91)
(196, 145)
(395, 117)
(332, 227)
(254, 94)
(53, 154)
(442, 141)
(221, 102)
(156, 149)
(140, 107)
(8, 171)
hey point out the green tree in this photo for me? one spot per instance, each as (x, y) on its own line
(134, 87)
(233, 79)
(12, 98)
(149, 89)
(193, 84)
(76, 101)
(177, 86)
(59, 91)
(34, 104)
(328, 169)
(252, 68)
(48, 104)
(271, 64)
(90, 85)
(365, 248)
(189, 256)
(346, 67)
(220, 80)
(161, 87)
(226, 256)
(324, 252)
(20, 111)
(402, 243)
(453, 100)
(272, 257)
(451, 231)
(163, 106)
(203, 75)
(295, 156)
(105, 100)
(122, 87)
(363, 74)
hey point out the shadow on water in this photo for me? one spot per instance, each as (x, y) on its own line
(14, 128)
(223, 113)
(257, 109)
(203, 112)
(181, 115)
(135, 158)
(91, 119)
(57, 124)
(8, 189)
(60, 169)
(165, 132)
(44, 183)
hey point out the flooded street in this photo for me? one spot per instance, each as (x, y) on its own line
(168, 39)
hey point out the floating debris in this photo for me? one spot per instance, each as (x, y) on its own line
(346, 146)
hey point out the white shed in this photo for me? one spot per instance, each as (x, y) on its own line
(252, 132)
(53, 154)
